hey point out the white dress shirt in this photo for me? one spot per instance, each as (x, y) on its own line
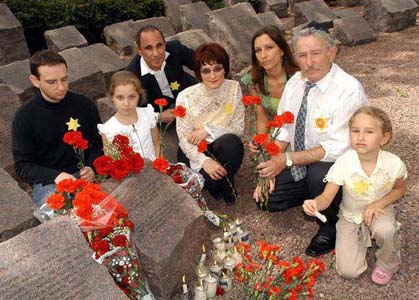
(358, 188)
(159, 75)
(330, 104)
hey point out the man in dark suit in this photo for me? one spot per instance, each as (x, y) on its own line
(159, 66)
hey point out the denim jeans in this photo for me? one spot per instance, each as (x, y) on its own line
(41, 192)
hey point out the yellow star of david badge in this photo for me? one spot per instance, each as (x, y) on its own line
(321, 123)
(174, 86)
(360, 187)
(228, 108)
(73, 124)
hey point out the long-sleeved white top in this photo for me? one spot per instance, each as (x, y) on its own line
(218, 111)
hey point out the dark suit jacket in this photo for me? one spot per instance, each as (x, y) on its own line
(179, 56)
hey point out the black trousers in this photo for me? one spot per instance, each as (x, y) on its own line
(289, 193)
(228, 150)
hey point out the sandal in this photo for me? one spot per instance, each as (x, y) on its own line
(380, 277)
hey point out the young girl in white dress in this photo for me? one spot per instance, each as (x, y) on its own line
(136, 123)
(372, 180)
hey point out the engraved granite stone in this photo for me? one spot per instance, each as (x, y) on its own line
(106, 108)
(170, 228)
(172, 12)
(84, 75)
(53, 261)
(192, 38)
(193, 15)
(106, 59)
(313, 11)
(9, 103)
(16, 76)
(279, 7)
(118, 37)
(353, 31)
(16, 209)
(270, 18)
(390, 15)
(233, 27)
(13, 45)
(64, 38)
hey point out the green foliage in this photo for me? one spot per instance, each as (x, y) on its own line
(90, 17)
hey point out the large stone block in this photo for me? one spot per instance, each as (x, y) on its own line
(106, 59)
(346, 12)
(172, 12)
(84, 75)
(16, 76)
(348, 2)
(233, 27)
(193, 15)
(192, 38)
(13, 45)
(279, 7)
(53, 261)
(353, 31)
(233, 2)
(161, 23)
(313, 11)
(16, 209)
(270, 18)
(9, 103)
(170, 228)
(118, 37)
(106, 109)
(64, 38)
(390, 15)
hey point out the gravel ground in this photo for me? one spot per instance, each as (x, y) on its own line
(388, 70)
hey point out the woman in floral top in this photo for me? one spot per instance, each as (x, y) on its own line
(272, 65)
(214, 113)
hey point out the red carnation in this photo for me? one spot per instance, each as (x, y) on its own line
(81, 143)
(160, 102)
(56, 201)
(100, 247)
(136, 162)
(261, 139)
(178, 179)
(120, 140)
(160, 164)
(71, 137)
(288, 117)
(103, 165)
(272, 148)
(129, 224)
(66, 185)
(179, 111)
(248, 100)
(119, 169)
(119, 240)
(202, 146)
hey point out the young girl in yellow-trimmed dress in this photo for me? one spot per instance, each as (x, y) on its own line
(372, 180)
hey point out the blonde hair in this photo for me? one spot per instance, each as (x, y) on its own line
(124, 78)
(378, 114)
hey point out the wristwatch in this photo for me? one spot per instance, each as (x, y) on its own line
(288, 160)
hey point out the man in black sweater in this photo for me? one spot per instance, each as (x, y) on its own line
(159, 66)
(41, 157)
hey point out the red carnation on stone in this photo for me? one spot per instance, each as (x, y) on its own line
(119, 240)
(56, 201)
(119, 169)
(160, 164)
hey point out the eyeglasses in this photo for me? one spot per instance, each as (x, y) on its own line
(216, 69)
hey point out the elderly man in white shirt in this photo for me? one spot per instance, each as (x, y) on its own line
(322, 98)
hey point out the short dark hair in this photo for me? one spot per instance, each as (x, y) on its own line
(147, 28)
(289, 62)
(45, 58)
(210, 53)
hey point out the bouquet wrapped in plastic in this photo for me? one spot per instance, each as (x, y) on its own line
(103, 220)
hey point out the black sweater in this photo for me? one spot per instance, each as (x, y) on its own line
(38, 128)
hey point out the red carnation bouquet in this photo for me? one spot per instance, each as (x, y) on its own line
(264, 276)
(119, 159)
(268, 148)
(103, 220)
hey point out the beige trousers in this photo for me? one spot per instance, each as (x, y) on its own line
(352, 241)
